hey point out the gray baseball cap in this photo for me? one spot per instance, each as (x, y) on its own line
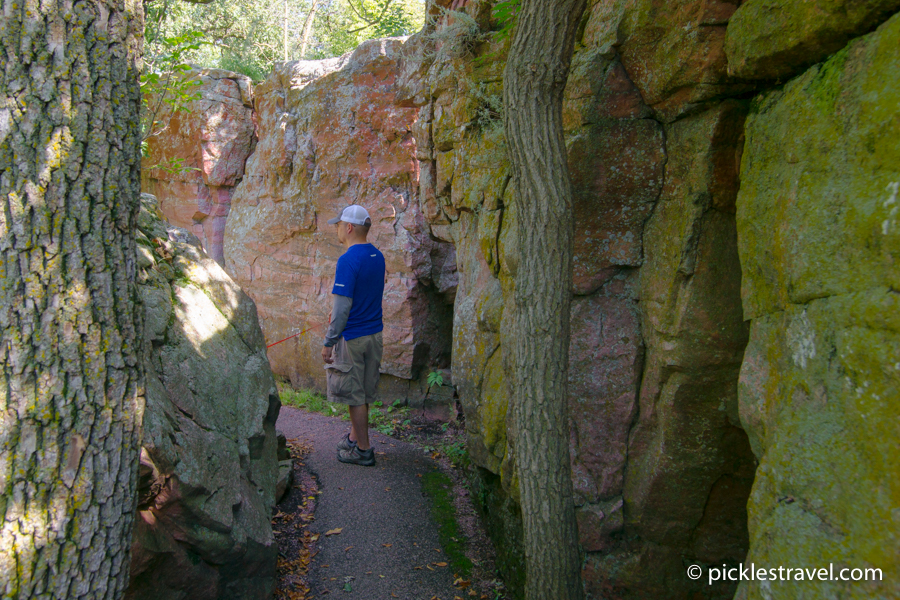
(353, 214)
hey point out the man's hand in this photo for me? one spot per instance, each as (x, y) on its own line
(326, 355)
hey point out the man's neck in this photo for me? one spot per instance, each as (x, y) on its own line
(353, 242)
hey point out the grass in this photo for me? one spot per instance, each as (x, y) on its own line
(439, 488)
(384, 419)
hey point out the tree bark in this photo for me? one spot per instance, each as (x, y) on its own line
(71, 396)
(534, 81)
(307, 28)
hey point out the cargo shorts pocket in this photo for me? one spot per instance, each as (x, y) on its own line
(338, 376)
(339, 380)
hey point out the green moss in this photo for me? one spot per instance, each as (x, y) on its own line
(502, 517)
(439, 489)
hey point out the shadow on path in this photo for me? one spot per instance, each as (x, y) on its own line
(388, 545)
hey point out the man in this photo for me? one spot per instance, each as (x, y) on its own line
(353, 346)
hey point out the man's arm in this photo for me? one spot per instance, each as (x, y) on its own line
(339, 314)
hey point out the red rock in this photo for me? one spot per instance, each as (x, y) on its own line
(325, 142)
(213, 139)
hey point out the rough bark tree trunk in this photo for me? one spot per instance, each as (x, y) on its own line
(307, 28)
(533, 85)
(71, 395)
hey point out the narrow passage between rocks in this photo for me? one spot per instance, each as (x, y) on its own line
(376, 535)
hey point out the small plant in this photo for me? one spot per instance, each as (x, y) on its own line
(167, 88)
(506, 13)
(434, 379)
(457, 454)
(457, 37)
(489, 114)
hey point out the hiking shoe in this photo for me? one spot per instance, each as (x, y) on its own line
(355, 456)
(346, 443)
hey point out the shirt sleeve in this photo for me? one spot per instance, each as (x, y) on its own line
(339, 314)
(344, 279)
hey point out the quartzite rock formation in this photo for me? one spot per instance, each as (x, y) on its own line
(194, 164)
(819, 240)
(736, 252)
(208, 462)
(329, 139)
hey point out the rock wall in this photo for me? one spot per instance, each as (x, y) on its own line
(193, 165)
(661, 466)
(333, 133)
(208, 462)
(820, 254)
(733, 353)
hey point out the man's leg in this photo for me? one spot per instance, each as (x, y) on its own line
(359, 425)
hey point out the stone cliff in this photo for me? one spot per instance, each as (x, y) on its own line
(331, 134)
(208, 462)
(734, 351)
(198, 158)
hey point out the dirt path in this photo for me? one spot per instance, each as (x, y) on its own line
(388, 545)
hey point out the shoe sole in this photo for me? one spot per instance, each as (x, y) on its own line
(351, 461)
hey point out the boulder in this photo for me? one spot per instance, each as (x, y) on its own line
(777, 39)
(208, 462)
(819, 393)
(194, 164)
(673, 50)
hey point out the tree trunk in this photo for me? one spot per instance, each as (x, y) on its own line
(285, 30)
(307, 28)
(71, 397)
(534, 81)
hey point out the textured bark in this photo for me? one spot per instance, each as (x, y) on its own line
(534, 80)
(71, 395)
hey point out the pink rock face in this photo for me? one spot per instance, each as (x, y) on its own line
(332, 134)
(194, 164)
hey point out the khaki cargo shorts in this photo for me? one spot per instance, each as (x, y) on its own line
(353, 376)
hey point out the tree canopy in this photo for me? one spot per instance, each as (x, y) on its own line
(248, 36)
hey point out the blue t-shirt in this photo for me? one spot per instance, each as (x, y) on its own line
(360, 275)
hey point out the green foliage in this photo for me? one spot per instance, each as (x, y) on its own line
(435, 378)
(506, 13)
(248, 36)
(308, 400)
(384, 420)
(167, 88)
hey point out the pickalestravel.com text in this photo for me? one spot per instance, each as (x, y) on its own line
(753, 573)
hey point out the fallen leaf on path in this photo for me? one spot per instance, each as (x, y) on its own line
(347, 548)
(334, 531)
(387, 545)
(429, 568)
(314, 537)
(440, 564)
(387, 489)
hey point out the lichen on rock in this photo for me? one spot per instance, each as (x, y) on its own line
(208, 462)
